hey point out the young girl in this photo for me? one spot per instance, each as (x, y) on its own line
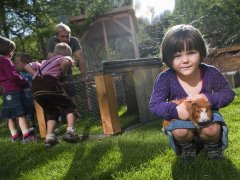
(15, 104)
(183, 50)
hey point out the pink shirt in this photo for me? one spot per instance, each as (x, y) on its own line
(10, 79)
(49, 67)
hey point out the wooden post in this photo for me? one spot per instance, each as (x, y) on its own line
(41, 120)
(107, 103)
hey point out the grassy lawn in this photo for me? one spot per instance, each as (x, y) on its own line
(142, 153)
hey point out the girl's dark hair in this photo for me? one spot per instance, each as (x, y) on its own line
(179, 38)
(6, 46)
(24, 58)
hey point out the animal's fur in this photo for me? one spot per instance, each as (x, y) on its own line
(199, 111)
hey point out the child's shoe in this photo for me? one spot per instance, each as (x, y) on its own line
(214, 151)
(17, 137)
(71, 137)
(50, 142)
(32, 129)
(188, 152)
(30, 137)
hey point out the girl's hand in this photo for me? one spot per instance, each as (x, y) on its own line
(182, 111)
(196, 96)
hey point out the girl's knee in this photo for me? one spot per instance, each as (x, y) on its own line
(211, 131)
(183, 133)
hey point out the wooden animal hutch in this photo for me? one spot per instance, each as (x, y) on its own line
(109, 46)
(110, 37)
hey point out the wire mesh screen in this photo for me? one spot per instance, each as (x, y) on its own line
(82, 90)
(125, 90)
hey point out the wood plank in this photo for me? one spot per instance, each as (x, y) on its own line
(121, 25)
(228, 49)
(143, 80)
(140, 94)
(225, 63)
(107, 103)
(134, 41)
(113, 12)
(105, 40)
(151, 75)
(41, 120)
(130, 94)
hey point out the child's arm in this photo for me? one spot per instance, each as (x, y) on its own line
(66, 64)
(13, 74)
(159, 102)
(221, 93)
(29, 69)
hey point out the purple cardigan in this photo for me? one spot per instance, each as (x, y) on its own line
(10, 79)
(167, 88)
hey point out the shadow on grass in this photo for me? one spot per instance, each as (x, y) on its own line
(204, 168)
(88, 166)
(98, 159)
(116, 154)
(17, 159)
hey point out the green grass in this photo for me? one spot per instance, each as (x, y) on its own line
(75, 70)
(142, 153)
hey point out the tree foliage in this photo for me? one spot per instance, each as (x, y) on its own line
(218, 20)
(150, 34)
(31, 22)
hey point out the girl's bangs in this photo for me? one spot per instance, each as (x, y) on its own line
(184, 43)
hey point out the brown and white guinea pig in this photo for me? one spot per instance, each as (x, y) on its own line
(199, 111)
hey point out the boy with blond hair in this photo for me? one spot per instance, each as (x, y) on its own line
(49, 92)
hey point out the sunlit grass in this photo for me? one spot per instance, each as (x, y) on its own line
(75, 70)
(122, 110)
(142, 153)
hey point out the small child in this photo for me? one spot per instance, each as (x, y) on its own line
(183, 49)
(15, 105)
(22, 60)
(49, 93)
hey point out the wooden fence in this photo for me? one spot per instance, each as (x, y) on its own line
(227, 60)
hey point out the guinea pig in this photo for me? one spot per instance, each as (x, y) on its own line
(199, 111)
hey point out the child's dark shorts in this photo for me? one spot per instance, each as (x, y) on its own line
(49, 93)
(189, 125)
(15, 103)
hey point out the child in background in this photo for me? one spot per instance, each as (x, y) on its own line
(49, 93)
(15, 104)
(183, 50)
(22, 60)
